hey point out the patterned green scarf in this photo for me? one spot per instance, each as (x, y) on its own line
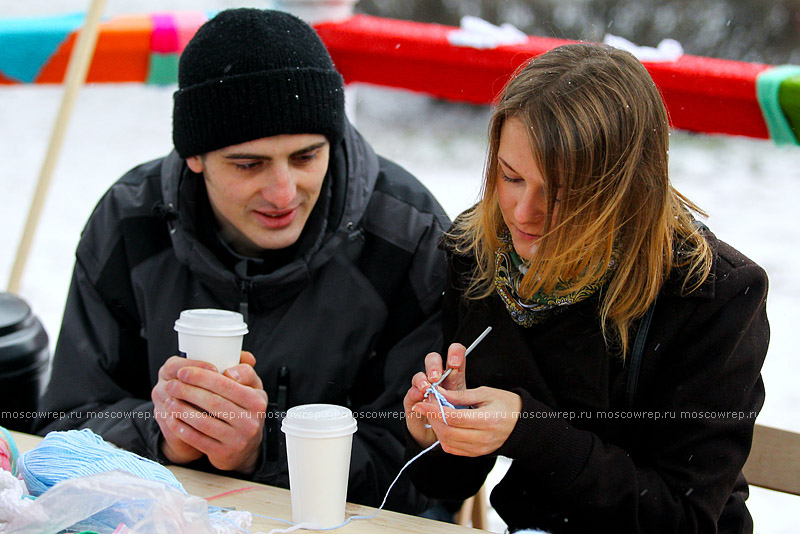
(509, 271)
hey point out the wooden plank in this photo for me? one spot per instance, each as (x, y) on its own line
(774, 461)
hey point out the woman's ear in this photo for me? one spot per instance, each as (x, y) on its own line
(195, 163)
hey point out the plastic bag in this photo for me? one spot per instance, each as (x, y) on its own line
(113, 500)
(13, 498)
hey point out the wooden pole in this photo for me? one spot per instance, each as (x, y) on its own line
(77, 69)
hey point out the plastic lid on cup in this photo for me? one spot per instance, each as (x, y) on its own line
(210, 322)
(319, 421)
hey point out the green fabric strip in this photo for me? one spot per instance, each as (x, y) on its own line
(778, 94)
(789, 97)
(163, 69)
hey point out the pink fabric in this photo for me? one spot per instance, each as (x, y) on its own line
(164, 37)
(187, 23)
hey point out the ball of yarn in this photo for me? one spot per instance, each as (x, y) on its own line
(76, 453)
(8, 452)
(5, 456)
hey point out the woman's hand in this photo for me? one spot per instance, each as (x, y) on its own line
(456, 363)
(417, 424)
(421, 382)
(470, 432)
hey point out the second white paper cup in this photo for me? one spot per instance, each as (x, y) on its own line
(213, 336)
(319, 438)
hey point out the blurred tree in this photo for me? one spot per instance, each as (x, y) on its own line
(766, 31)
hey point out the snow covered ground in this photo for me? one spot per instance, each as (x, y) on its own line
(749, 187)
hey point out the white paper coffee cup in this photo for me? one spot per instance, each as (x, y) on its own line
(319, 438)
(213, 336)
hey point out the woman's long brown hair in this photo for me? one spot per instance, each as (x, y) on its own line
(600, 134)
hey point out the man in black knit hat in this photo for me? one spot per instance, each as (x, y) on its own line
(274, 206)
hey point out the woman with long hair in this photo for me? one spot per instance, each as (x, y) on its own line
(622, 372)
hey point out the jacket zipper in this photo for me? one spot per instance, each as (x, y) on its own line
(244, 299)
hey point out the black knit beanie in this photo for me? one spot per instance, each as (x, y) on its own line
(253, 73)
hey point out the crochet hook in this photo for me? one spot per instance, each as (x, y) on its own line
(469, 349)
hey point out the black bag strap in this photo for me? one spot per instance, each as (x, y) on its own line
(635, 363)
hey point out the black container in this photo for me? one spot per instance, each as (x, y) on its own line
(24, 363)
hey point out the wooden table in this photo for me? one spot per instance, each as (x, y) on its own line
(275, 502)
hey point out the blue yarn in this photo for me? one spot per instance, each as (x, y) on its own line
(440, 399)
(75, 453)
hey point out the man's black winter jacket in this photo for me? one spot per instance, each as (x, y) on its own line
(347, 319)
